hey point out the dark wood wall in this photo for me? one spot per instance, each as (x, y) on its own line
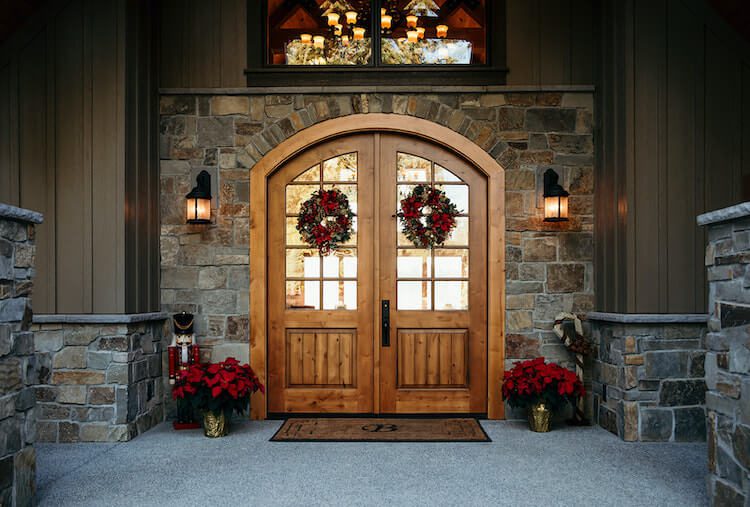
(674, 98)
(73, 146)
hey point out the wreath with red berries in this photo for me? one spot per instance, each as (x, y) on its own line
(427, 216)
(325, 220)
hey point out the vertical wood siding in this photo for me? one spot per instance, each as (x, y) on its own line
(63, 85)
(672, 134)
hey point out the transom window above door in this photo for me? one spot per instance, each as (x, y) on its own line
(317, 38)
(315, 281)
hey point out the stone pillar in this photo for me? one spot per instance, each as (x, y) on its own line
(18, 365)
(104, 377)
(648, 376)
(728, 354)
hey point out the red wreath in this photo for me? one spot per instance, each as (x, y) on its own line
(427, 216)
(325, 220)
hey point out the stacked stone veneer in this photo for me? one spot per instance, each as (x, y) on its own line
(549, 266)
(648, 376)
(101, 382)
(728, 355)
(18, 367)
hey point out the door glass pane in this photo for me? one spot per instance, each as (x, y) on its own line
(451, 295)
(312, 174)
(302, 263)
(350, 191)
(442, 174)
(414, 263)
(458, 194)
(413, 168)
(292, 234)
(403, 191)
(303, 295)
(451, 263)
(339, 295)
(460, 235)
(414, 295)
(341, 263)
(297, 194)
(341, 168)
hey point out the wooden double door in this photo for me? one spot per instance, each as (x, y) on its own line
(378, 325)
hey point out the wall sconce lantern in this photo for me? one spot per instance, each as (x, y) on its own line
(199, 200)
(555, 198)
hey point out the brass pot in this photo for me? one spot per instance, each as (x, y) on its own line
(539, 416)
(215, 424)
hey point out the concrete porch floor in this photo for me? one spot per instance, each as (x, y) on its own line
(569, 466)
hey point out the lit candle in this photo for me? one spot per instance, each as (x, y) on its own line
(345, 40)
(333, 18)
(351, 17)
(385, 21)
(337, 30)
(412, 36)
(420, 32)
(442, 31)
(359, 33)
(411, 21)
(306, 38)
(319, 41)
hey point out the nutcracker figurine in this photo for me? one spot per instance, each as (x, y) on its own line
(182, 353)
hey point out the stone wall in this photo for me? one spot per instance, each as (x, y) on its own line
(648, 376)
(103, 376)
(205, 269)
(18, 367)
(728, 354)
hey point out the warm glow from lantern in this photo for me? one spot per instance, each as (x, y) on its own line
(385, 21)
(556, 208)
(198, 210)
(319, 41)
(345, 40)
(333, 18)
(420, 32)
(351, 17)
(359, 33)
(412, 36)
(411, 21)
(306, 38)
(442, 31)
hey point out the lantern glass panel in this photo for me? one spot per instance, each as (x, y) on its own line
(198, 210)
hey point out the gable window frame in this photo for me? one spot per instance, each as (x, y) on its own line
(260, 72)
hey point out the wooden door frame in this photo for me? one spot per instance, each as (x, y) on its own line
(406, 125)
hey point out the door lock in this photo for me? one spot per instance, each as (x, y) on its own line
(385, 322)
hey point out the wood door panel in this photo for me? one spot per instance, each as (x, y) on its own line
(432, 358)
(316, 358)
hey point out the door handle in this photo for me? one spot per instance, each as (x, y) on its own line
(385, 322)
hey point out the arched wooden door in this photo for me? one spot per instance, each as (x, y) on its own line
(328, 348)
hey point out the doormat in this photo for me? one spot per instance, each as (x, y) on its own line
(380, 430)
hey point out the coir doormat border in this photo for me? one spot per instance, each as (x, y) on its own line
(483, 437)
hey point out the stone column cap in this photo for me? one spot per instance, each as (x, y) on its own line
(725, 214)
(649, 318)
(20, 214)
(98, 318)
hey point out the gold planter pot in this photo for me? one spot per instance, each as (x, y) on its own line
(215, 425)
(539, 416)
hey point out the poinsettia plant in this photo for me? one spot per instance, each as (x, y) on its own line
(217, 387)
(534, 381)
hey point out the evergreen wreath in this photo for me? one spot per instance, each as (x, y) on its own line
(325, 220)
(427, 216)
